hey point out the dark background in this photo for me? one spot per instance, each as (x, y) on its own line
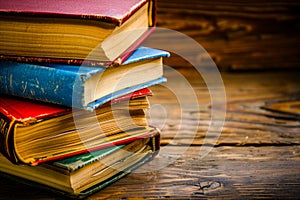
(238, 35)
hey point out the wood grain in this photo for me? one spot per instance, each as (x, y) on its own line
(239, 35)
(248, 122)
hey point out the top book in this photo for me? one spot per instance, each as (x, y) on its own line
(71, 31)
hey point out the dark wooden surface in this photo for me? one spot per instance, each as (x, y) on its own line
(261, 34)
(257, 155)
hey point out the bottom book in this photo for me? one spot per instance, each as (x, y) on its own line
(82, 175)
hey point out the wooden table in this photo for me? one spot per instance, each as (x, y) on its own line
(256, 156)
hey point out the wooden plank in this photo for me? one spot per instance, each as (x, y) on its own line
(225, 173)
(247, 121)
(239, 35)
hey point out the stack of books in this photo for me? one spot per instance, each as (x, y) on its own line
(74, 92)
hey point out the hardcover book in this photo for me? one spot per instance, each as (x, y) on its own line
(82, 87)
(33, 132)
(71, 31)
(80, 176)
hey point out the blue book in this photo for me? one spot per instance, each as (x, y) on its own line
(85, 87)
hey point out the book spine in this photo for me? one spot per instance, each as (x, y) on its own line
(6, 137)
(41, 83)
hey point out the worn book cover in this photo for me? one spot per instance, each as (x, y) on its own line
(34, 132)
(82, 87)
(71, 31)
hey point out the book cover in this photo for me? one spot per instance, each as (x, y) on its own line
(89, 172)
(112, 11)
(26, 117)
(85, 87)
(74, 22)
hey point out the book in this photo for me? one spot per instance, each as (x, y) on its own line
(71, 31)
(82, 87)
(80, 176)
(34, 132)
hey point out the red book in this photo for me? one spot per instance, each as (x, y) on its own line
(33, 132)
(74, 31)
